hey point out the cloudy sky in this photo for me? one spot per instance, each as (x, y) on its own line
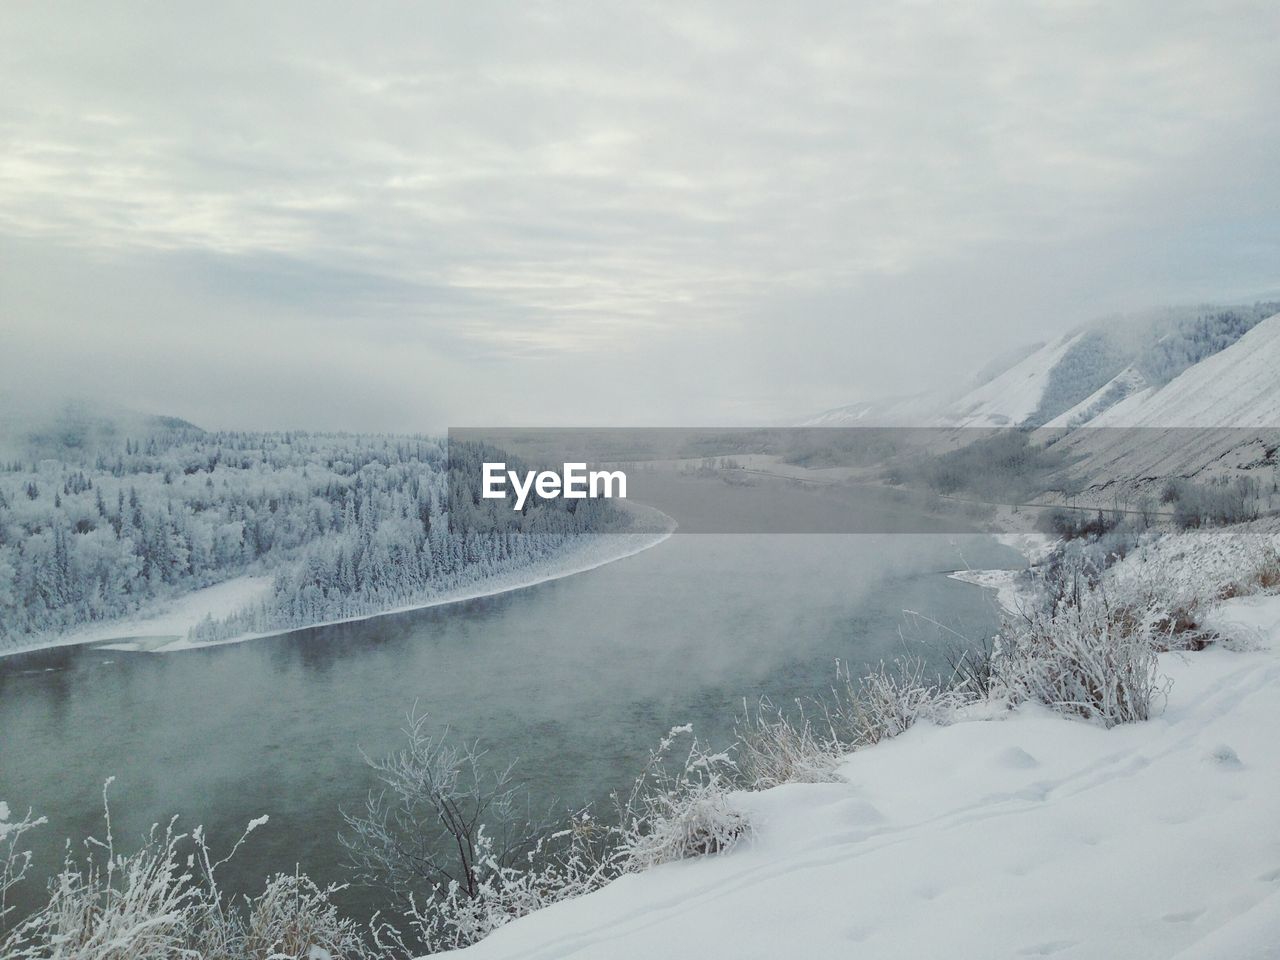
(372, 216)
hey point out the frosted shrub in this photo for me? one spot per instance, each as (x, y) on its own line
(886, 702)
(448, 841)
(674, 814)
(435, 796)
(450, 916)
(163, 901)
(1259, 574)
(1090, 656)
(972, 668)
(14, 858)
(295, 918)
(774, 749)
(1186, 574)
(1267, 574)
(116, 906)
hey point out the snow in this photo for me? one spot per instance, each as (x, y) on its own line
(1250, 621)
(1032, 835)
(167, 621)
(1123, 385)
(1007, 584)
(1235, 387)
(908, 411)
(1215, 418)
(594, 551)
(1033, 546)
(1014, 395)
(164, 629)
(1003, 582)
(1004, 400)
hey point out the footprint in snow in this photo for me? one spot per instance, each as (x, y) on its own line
(1186, 916)
(857, 932)
(859, 812)
(1045, 949)
(1015, 758)
(1225, 757)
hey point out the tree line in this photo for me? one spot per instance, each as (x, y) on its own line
(347, 524)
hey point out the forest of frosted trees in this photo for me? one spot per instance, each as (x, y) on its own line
(347, 524)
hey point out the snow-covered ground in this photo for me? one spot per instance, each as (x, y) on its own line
(1028, 835)
(1003, 582)
(166, 622)
(1034, 547)
(165, 629)
(594, 551)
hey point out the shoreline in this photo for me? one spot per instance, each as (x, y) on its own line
(1004, 582)
(574, 563)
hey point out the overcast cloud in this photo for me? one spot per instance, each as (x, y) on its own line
(406, 217)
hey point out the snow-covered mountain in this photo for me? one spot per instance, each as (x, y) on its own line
(911, 411)
(1108, 373)
(1011, 398)
(69, 429)
(1219, 416)
(1236, 387)
(1124, 384)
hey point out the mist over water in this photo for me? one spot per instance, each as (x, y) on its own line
(575, 678)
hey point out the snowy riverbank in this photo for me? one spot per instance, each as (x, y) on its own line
(165, 628)
(1034, 547)
(1004, 834)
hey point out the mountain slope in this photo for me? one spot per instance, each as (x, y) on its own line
(1236, 387)
(1010, 398)
(908, 411)
(1123, 385)
(75, 430)
(1072, 380)
(1216, 418)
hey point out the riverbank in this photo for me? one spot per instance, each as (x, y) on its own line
(1031, 837)
(1008, 584)
(166, 628)
(1004, 833)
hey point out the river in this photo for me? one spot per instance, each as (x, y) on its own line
(576, 678)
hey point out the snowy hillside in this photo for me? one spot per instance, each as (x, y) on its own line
(1219, 415)
(1237, 387)
(1074, 379)
(1005, 395)
(1124, 384)
(1013, 396)
(911, 411)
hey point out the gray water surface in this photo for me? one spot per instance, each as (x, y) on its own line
(577, 678)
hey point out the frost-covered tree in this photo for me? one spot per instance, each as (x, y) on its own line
(348, 524)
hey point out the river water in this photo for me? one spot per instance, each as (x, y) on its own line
(576, 678)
